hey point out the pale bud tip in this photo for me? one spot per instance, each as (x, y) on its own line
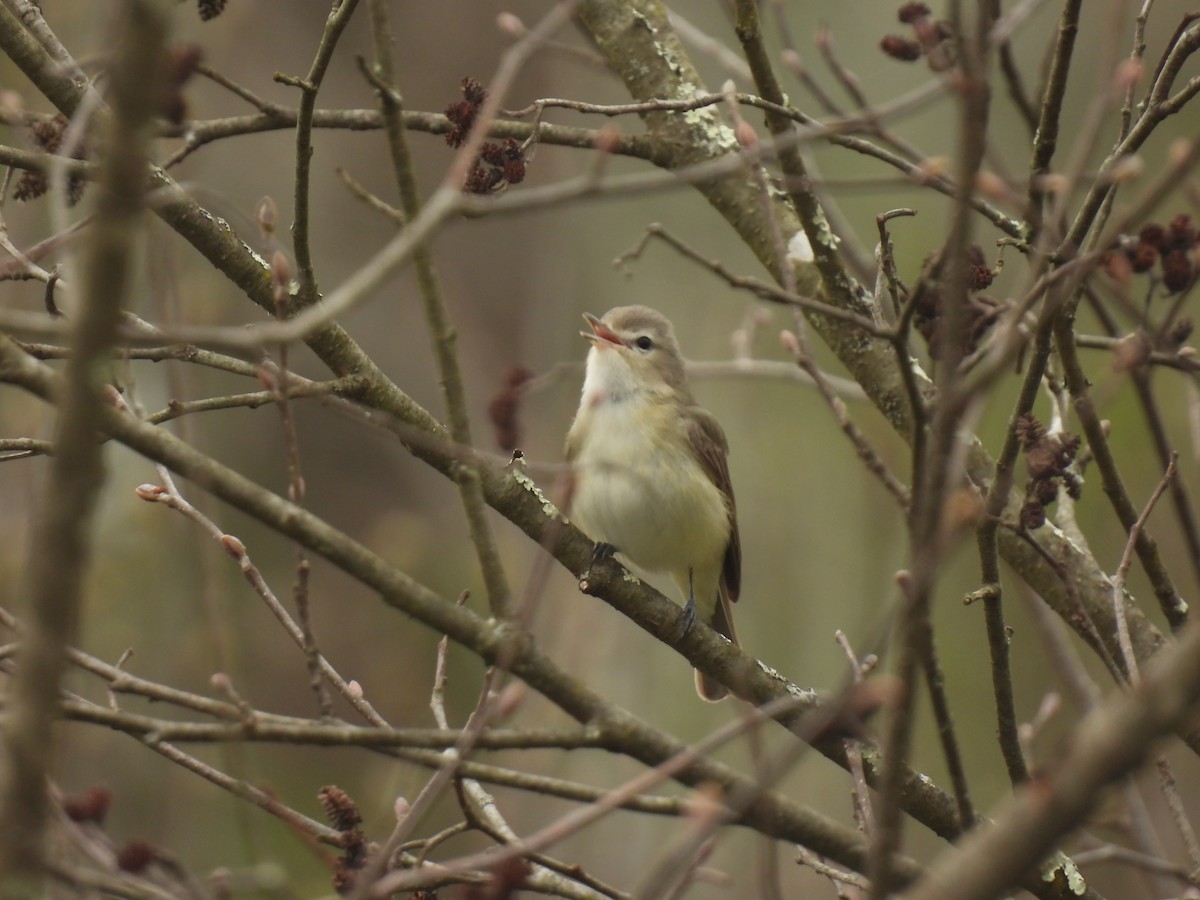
(11, 105)
(705, 804)
(935, 166)
(1051, 704)
(608, 139)
(113, 397)
(1053, 183)
(1128, 74)
(354, 689)
(510, 699)
(800, 248)
(400, 808)
(511, 24)
(1127, 168)
(1179, 150)
(221, 682)
(267, 215)
(745, 134)
(233, 546)
(281, 268)
(992, 185)
(150, 492)
(790, 343)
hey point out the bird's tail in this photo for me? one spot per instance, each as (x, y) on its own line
(722, 621)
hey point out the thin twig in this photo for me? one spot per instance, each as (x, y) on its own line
(762, 289)
(572, 822)
(310, 86)
(442, 333)
(305, 732)
(1050, 107)
(795, 344)
(1179, 815)
(1118, 579)
(169, 495)
(1171, 603)
(860, 794)
(476, 803)
(1114, 853)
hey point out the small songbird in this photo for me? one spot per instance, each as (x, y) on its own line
(652, 481)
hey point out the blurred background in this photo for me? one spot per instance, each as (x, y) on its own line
(822, 540)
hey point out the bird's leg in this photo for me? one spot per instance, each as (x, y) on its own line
(688, 619)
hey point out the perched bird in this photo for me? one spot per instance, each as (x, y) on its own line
(652, 481)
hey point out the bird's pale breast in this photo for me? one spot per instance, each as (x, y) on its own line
(640, 488)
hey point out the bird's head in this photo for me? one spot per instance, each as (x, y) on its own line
(634, 351)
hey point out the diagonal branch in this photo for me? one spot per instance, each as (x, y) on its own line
(1112, 741)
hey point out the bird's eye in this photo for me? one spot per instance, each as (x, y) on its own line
(644, 343)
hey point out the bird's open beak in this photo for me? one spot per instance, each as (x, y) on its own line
(601, 333)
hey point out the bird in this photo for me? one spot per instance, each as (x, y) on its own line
(650, 469)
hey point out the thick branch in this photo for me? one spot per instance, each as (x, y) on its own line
(60, 537)
(1112, 741)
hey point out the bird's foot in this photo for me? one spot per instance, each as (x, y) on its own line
(687, 619)
(602, 552)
